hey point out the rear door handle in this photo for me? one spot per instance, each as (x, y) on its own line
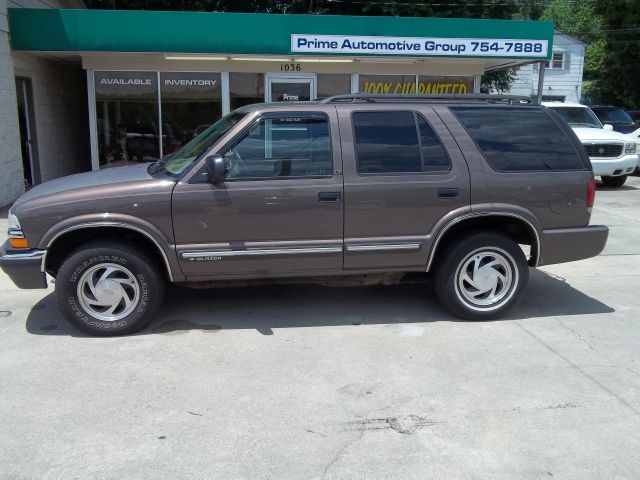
(445, 192)
(329, 197)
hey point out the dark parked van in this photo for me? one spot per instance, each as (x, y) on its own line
(355, 185)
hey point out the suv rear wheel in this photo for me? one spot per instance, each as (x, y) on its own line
(109, 289)
(614, 182)
(482, 276)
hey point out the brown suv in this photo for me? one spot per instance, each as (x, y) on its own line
(355, 185)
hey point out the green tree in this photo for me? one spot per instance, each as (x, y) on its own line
(580, 20)
(618, 81)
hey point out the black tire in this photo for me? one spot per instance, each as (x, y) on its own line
(127, 274)
(614, 182)
(455, 292)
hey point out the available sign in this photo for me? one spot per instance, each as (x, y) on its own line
(419, 46)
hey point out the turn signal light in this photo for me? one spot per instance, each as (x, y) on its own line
(18, 242)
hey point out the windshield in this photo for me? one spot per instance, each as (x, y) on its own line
(613, 115)
(578, 116)
(184, 157)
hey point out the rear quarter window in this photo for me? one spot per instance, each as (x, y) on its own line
(516, 139)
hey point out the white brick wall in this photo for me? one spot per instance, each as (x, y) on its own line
(60, 106)
(11, 175)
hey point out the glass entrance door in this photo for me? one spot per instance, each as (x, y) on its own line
(290, 89)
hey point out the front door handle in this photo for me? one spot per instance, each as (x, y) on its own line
(332, 197)
(448, 192)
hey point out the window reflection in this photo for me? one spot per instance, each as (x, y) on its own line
(127, 117)
(387, 84)
(329, 84)
(191, 102)
(245, 89)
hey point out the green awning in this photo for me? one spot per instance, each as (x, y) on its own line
(143, 31)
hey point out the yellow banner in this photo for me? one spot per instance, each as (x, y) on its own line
(424, 88)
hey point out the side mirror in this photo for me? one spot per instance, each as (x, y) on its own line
(608, 126)
(216, 169)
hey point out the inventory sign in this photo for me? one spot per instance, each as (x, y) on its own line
(419, 46)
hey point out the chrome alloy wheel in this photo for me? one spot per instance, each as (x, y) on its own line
(486, 279)
(108, 292)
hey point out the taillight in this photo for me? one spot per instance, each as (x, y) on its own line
(591, 193)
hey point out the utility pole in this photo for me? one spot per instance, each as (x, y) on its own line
(540, 81)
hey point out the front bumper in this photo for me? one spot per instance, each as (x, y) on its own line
(615, 166)
(561, 245)
(24, 267)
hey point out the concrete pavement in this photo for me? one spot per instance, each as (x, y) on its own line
(294, 382)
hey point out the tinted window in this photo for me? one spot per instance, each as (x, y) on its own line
(612, 115)
(396, 142)
(295, 146)
(515, 139)
(434, 157)
(578, 116)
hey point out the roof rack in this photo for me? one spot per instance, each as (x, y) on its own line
(455, 98)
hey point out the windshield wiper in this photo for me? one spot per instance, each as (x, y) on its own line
(590, 125)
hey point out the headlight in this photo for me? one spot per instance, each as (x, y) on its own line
(14, 223)
(16, 236)
(629, 148)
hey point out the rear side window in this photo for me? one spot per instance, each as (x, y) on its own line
(396, 142)
(518, 139)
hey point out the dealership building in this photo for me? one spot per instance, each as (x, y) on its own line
(90, 89)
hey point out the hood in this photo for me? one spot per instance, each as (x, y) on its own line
(107, 176)
(600, 134)
(635, 134)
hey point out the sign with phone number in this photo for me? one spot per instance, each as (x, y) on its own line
(420, 46)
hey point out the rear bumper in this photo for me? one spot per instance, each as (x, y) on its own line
(24, 267)
(614, 167)
(571, 244)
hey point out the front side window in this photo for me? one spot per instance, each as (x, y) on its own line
(514, 139)
(396, 142)
(613, 115)
(291, 145)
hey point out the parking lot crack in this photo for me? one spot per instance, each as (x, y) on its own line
(338, 455)
(581, 339)
(581, 371)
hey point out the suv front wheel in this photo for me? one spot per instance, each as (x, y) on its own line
(482, 276)
(107, 288)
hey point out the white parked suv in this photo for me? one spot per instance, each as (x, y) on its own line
(612, 154)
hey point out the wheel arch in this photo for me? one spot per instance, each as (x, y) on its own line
(61, 244)
(517, 227)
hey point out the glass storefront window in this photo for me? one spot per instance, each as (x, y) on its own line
(329, 84)
(191, 102)
(387, 84)
(444, 85)
(245, 89)
(127, 117)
